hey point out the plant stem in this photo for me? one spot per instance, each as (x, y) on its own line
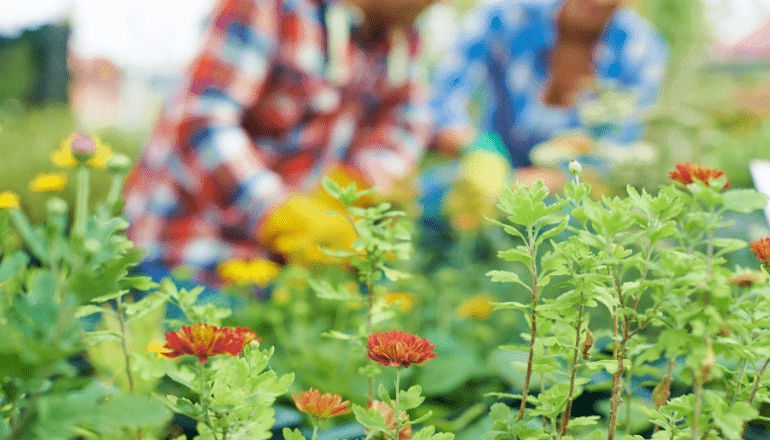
(573, 373)
(697, 389)
(369, 307)
(116, 187)
(24, 229)
(81, 202)
(533, 334)
(754, 390)
(740, 381)
(669, 375)
(619, 354)
(205, 398)
(395, 406)
(315, 431)
(126, 357)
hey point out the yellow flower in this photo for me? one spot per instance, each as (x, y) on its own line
(63, 157)
(406, 299)
(478, 307)
(48, 182)
(9, 199)
(281, 295)
(158, 347)
(258, 272)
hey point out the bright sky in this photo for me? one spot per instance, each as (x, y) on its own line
(161, 35)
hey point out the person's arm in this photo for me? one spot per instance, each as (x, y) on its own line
(390, 147)
(465, 67)
(225, 79)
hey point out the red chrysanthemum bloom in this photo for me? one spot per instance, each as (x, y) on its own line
(761, 249)
(321, 406)
(686, 173)
(204, 340)
(399, 349)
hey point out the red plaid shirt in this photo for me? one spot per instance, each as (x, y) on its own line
(257, 119)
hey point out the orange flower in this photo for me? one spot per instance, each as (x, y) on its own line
(761, 249)
(390, 420)
(321, 406)
(204, 340)
(399, 349)
(685, 173)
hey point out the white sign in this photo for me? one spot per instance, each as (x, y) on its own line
(760, 172)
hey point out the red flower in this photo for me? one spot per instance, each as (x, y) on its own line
(204, 340)
(321, 406)
(399, 349)
(685, 173)
(761, 249)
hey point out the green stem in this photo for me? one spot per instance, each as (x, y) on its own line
(533, 334)
(81, 201)
(369, 308)
(395, 406)
(24, 229)
(205, 398)
(315, 431)
(116, 189)
(573, 372)
(697, 390)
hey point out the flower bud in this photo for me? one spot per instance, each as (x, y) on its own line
(92, 246)
(83, 147)
(587, 344)
(119, 163)
(661, 394)
(56, 206)
(707, 364)
(575, 168)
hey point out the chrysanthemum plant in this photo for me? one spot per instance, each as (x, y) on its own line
(48, 275)
(382, 237)
(650, 270)
(55, 273)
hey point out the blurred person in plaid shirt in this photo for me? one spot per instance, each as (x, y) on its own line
(281, 93)
(532, 60)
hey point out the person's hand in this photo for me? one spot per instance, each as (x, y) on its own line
(450, 142)
(297, 228)
(553, 179)
(483, 175)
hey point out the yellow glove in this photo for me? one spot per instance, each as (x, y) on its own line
(483, 175)
(300, 225)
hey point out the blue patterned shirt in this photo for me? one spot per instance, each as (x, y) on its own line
(501, 55)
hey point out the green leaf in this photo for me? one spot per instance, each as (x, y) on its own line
(88, 310)
(371, 419)
(744, 200)
(99, 336)
(109, 296)
(325, 290)
(610, 365)
(411, 398)
(142, 283)
(392, 274)
(518, 254)
(289, 434)
(382, 393)
(13, 265)
(503, 276)
(510, 305)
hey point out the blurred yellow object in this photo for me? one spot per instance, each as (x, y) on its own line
(406, 299)
(155, 346)
(300, 225)
(48, 182)
(281, 295)
(9, 199)
(482, 177)
(63, 157)
(478, 306)
(259, 272)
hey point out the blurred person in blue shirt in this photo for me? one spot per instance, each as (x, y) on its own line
(531, 60)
